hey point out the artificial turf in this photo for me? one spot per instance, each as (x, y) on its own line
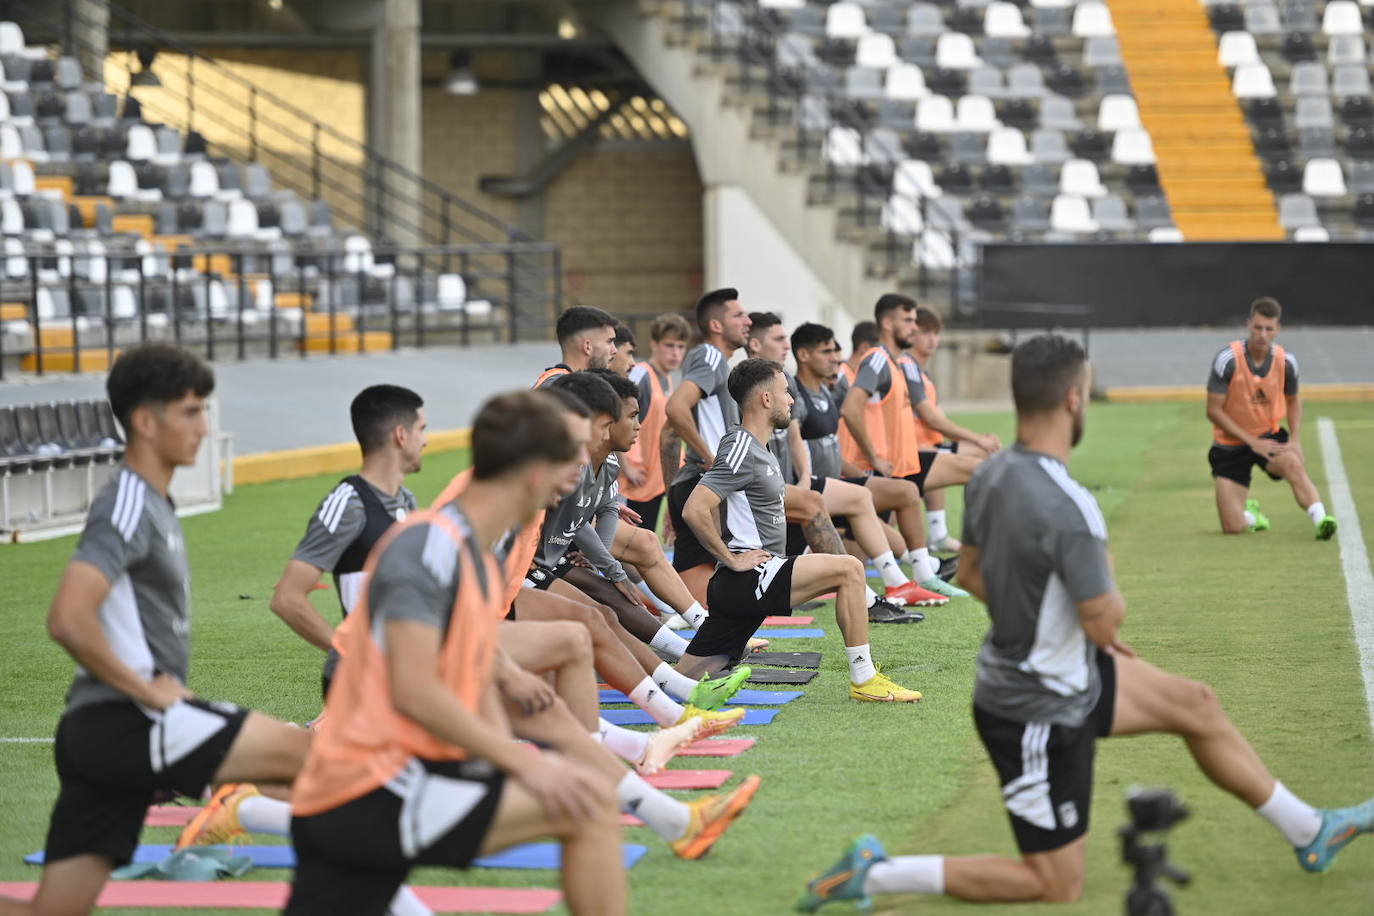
(1262, 617)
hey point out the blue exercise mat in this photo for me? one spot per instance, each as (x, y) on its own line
(530, 855)
(778, 633)
(640, 717)
(743, 698)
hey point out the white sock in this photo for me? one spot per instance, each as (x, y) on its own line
(923, 565)
(406, 903)
(664, 815)
(1316, 512)
(696, 614)
(1249, 519)
(860, 663)
(663, 609)
(674, 682)
(654, 700)
(669, 643)
(935, 524)
(625, 744)
(887, 568)
(870, 597)
(1295, 819)
(259, 814)
(907, 875)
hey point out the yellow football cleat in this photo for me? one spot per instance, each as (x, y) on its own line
(713, 721)
(711, 817)
(218, 823)
(882, 689)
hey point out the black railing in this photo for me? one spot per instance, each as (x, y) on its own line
(747, 36)
(233, 302)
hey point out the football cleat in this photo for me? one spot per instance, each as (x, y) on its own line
(711, 817)
(946, 544)
(1261, 520)
(1326, 528)
(882, 689)
(941, 587)
(218, 823)
(664, 745)
(914, 595)
(845, 879)
(1339, 827)
(713, 721)
(712, 693)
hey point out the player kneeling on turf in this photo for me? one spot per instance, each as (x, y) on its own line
(737, 513)
(1053, 675)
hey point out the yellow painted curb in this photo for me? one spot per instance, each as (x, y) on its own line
(1155, 394)
(292, 463)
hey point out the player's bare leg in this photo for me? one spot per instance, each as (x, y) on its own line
(893, 494)
(1231, 506)
(1291, 468)
(620, 659)
(950, 470)
(561, 649)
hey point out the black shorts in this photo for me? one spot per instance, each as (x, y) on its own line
(112, 758)
(739, 602)
(648, 511)
(952, 447)
(1046, 770)
(927, 461)
(1235, 462)
(687, 550)
(353, 858)
(541, 577)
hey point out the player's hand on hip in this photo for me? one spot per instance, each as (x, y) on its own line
(631, 594)
(883, 467)
(629, 515)
(1266, 448)
(164, 691)
(567, 789)
(747, 560)
(529, 692)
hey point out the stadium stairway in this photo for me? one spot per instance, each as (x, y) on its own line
(1206, 159)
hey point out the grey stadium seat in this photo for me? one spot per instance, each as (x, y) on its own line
(1297, 210)
(1031, 214)
(1110, 213)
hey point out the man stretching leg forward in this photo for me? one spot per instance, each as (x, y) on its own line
(1053, 675)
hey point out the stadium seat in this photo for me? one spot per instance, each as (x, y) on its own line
(1041, 178)
(905, 81)
(1312, 234)
(1308, 78)
(844, 147)
(1092, 18)
(1298, 46)
(1118, 112)
(1007, 146)
(1025, 80)
(1299, 16)
(1132, 146)
(1342, 17)
(1113, 81)
(1362, 177)
(976, 114)
(1237, 48)
(987, 81)
(902, 215)
(935, 114)
(845, 20)
(1253, 81)
(1067, 81)
(204, 179)
(966, 20)
(1317, 142)
(999, 179)
(1049, 146)
(1040, 49)
(956, 179)
(123, 183)
(967, 147)
(1070, 213)
(1165, 235)
(1313, 112)
(1003, 20)
(1102, 51)
(1054, 22)
(1297, 210)
(863, 83)
(1363, 211)
(1350, 80)
(914, 178)
(1058, 113)
(875, 50)
(1262, 19)
(1111, 216)
(1142, 179)
(947, 82)
(1018, 113)
(1323, 178)
(986, 213)
(1000, 53)
(1030, 214)
(1282, 178)
(955, 51)
(924, 19)
(1080, 178)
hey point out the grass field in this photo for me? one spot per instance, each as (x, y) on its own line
(1263, 618)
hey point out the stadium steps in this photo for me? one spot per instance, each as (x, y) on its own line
(369, 342)
(64, 357)
(1206, 158)
(14, 311)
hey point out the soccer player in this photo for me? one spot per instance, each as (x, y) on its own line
(1252, 387)
(881, 380)
(929, 326)
(389, 423)
(817, 356)
(624, 359)
(1054, 676)
(699, 412)
(642, 473)
(586, 337)
(768, 340)
(131, 726)
(737, 514)
(862, 340)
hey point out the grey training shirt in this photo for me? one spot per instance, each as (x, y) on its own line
(1043, 549)
(707, 368)
(588, 516)
(750, 485)
(132, 535)
(416, 577)
(336, 524)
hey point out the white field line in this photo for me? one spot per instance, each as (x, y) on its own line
(1359, 580)
(26, 740)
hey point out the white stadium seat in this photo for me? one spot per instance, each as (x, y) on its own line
(906, 82)
(955, 51)
(1117, 112)
(915, 177)
(1004, 20)
(1236, 48)
(1342, 17)
(1132, 146)
(1092, 18)
(876, 50)
(1007, 146)
(976, 114)
(935, 115)
(1323, 178)
(845, 20)
(1253, 81)
(1071, 213)
(1080, 178)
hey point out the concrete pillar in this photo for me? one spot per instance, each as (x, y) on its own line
(90, 34)
(395, 109)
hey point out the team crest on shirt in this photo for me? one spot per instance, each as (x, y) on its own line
(401, 514)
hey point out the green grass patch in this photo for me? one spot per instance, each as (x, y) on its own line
(1263, 618)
